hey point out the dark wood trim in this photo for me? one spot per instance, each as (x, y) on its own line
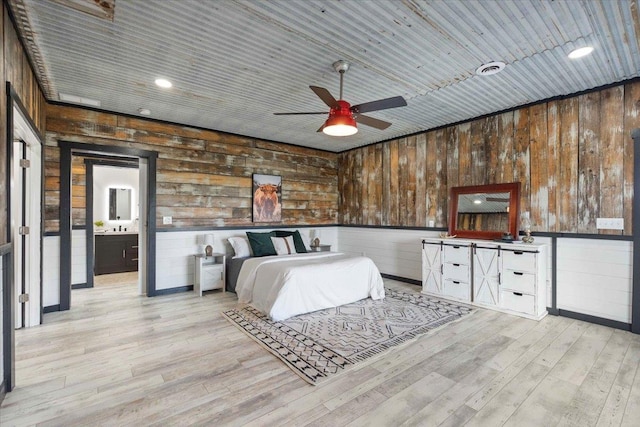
(513, 188)
(103, 151)
(151, 225)
(173, 290)
(15, 98)
(595, 319)
(8, 318)
(82, 285)
(51, 308)
(89, 248)
(402, 279)
(65, 228)
(635, 293)
(536, 233)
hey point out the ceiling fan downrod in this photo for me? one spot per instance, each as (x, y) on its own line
(341, 67)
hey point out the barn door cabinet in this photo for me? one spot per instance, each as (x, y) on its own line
(509, 277)
(446, 269)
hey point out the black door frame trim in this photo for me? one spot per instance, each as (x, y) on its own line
(67, 149)
(6, 250)
(90, 162)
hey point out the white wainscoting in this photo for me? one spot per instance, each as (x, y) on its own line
(175, 250)
(78, 257)
(51, 271)
(595, 277)
(395, 252)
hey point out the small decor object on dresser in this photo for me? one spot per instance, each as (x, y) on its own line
(267, 198)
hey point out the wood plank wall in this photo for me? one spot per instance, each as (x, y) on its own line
(15, 68)
(204, 177)
(573, 157)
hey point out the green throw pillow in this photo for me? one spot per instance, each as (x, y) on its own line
(297, 239)
(261, 243)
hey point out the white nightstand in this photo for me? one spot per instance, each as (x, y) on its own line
(209, 272)
(320, 248)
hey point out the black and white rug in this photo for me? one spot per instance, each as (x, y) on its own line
(319, 344)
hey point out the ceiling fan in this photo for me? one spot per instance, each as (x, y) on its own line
(342, 116)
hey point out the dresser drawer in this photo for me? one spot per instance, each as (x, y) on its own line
(519, 261)
(457, 254)
(457, 272)
(456, 289)
(212, 277)
(518, 302)
(519, 281)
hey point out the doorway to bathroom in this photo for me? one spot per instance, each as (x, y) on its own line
(80, 220)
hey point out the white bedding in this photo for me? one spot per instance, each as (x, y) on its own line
(288, 285)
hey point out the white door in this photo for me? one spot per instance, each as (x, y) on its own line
(432, 268)
(26, 211)
(485, 276)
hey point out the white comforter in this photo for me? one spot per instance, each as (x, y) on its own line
(288, 285)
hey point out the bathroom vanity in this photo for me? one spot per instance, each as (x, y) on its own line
(116, 252)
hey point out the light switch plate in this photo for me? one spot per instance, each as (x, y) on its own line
(166, 220)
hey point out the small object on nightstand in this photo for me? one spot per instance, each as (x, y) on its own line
(320, 248)
(209, 272)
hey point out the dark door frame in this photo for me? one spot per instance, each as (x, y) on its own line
(6, 250)
(121, 162)
(66, 150)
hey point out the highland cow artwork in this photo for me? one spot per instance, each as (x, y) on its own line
(267, 198)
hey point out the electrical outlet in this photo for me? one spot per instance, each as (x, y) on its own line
(166, 220)
(610, 223)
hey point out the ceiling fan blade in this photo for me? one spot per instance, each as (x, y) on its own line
(370, 121)
(381, 104)
(298, 114)
(325, 95)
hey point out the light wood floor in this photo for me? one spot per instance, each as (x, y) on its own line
(120, 359)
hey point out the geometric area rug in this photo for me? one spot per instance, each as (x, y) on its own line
(323, 343)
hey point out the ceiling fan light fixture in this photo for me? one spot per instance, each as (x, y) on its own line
(340, 121)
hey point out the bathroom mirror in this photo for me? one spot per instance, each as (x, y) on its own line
(485, 211)
(119, 204)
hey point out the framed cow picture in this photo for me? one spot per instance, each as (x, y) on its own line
(267, 198)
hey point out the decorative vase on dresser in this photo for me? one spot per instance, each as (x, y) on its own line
(509, 277)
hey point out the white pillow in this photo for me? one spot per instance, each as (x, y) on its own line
(284, 245)
(240, 246)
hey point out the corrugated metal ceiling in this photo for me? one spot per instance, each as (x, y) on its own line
(233, 62)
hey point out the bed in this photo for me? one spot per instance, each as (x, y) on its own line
(287, 285)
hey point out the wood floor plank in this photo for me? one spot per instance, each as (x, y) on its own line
(117, 358)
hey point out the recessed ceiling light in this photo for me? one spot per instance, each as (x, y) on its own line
(477, 202)
(164, 83)
(144, 111)
(490, 68)
(580, 52)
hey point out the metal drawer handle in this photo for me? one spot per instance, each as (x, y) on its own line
(134, 259)
(124, 253)
(518, 293)
(456, 282)
(517, 273)
(134, 247)
(456, 265)
(518, 252)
